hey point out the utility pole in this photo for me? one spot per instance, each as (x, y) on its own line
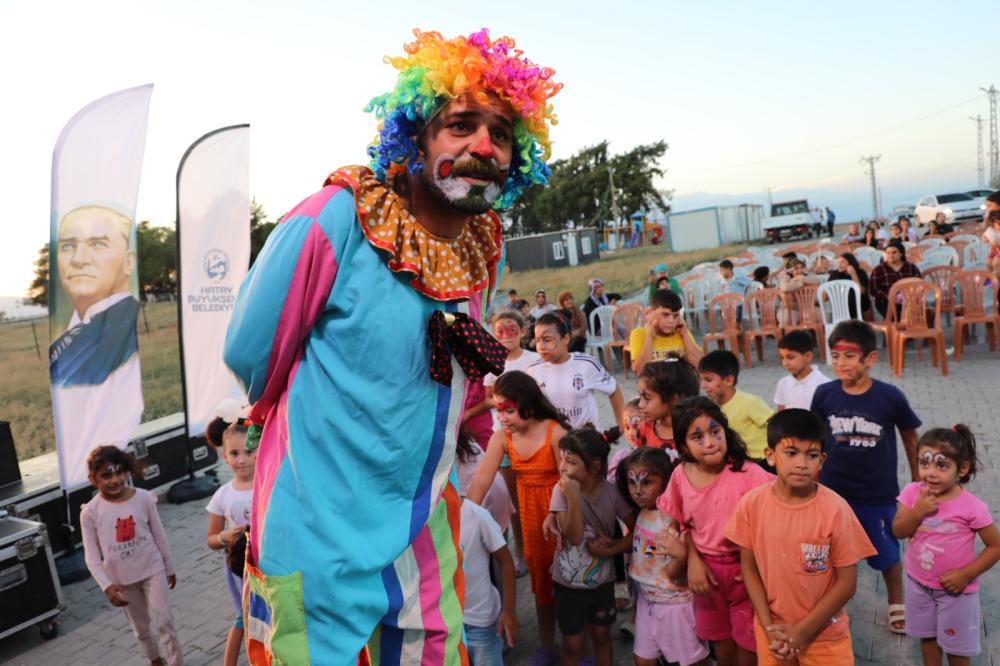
(770, 201)
(992, 92)
(871, 160)
(980, 164)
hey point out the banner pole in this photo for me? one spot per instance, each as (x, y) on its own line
(193, 487)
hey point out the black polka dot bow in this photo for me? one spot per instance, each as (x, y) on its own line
(456, 334)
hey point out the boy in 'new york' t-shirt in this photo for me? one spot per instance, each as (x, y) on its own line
(862, 415)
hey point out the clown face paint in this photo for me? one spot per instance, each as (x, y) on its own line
(938, 472)
(470, 184)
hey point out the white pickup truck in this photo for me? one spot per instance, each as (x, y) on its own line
(788, 220)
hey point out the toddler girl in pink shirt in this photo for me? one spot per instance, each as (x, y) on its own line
(127, 554)
(941, 519)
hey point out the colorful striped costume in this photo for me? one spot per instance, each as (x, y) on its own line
(354, 534)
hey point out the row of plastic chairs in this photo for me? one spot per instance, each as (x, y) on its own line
(964, 295)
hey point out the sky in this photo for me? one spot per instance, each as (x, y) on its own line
(747, 95)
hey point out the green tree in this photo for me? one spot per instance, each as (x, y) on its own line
(260, 229)
(579, 189)
(157, 250)
(38, 290)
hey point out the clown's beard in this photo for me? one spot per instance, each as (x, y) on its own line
(466, 197)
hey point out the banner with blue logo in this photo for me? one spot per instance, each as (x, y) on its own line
(213, 256)
(94, 279)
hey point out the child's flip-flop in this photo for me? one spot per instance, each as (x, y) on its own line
(897, 613)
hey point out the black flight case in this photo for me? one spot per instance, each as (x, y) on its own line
(30, 593)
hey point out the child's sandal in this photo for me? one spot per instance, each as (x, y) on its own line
(897, 613)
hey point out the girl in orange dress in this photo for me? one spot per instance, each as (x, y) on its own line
(530, 430)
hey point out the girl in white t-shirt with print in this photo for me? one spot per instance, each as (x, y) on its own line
(228, 517)
(568, 380)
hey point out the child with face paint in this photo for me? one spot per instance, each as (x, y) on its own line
(799, 548)
(127, 554)
(941, 518)
(701, 495)
(586, 507)
(664, 617)
(862, 415)
(509, 328)
(662, 384)
(530, 431)
(569, 379)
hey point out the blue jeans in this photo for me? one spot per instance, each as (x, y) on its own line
(485, 647)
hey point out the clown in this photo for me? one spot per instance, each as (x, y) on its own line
(339, 337)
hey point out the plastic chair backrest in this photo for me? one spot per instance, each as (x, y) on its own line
(932, 241)
(944, 278)
(605, 314)
(971, 285)
(839, 294)
(975, 251)
(968, 238)
(727, 305)
(868, 254)
(762, 308)
(805, 299)
(916, 294)
(626, 318)
(940, 256)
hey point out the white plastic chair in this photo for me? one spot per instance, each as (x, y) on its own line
(968, 238)
(869, 255)
(605, 315)
(931, 242)
(834, 298)
(974, 253)
(826, 254)
(940, 256)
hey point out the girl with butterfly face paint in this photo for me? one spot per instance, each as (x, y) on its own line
(941, 519)
(664, 618)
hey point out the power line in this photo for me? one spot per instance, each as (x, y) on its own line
(994, 152)
(871, 160)
(831, 146)
(981, 167)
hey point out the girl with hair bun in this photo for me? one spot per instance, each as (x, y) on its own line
(127, 554)
(941, 518)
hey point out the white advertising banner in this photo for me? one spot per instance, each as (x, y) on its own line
(213, 241)
(94, 280)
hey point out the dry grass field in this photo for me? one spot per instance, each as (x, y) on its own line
(624, 271)
(25, 400)
(24, 392)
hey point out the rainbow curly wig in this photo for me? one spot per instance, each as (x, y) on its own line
(435, 71)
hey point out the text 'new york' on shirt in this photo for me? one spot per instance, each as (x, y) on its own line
(861, 440)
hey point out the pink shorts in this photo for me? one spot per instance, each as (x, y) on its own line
(667, 630)
(727, 612)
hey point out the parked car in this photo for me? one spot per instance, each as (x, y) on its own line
(898, 211)
(787, 220)
(957, 207)
(980, 197)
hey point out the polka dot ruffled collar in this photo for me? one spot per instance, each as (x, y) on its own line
(444, 269)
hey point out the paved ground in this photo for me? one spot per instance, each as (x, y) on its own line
(94, 633)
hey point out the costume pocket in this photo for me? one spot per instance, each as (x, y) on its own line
(275, 619)
(814, 556)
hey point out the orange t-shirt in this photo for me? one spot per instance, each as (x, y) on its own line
(797, 547)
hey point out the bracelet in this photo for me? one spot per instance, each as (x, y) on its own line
(221, 542)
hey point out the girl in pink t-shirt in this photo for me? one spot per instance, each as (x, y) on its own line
(941, 519)
(703, 492)
(126, 552)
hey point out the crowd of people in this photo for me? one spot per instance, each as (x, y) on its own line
(731, 531)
